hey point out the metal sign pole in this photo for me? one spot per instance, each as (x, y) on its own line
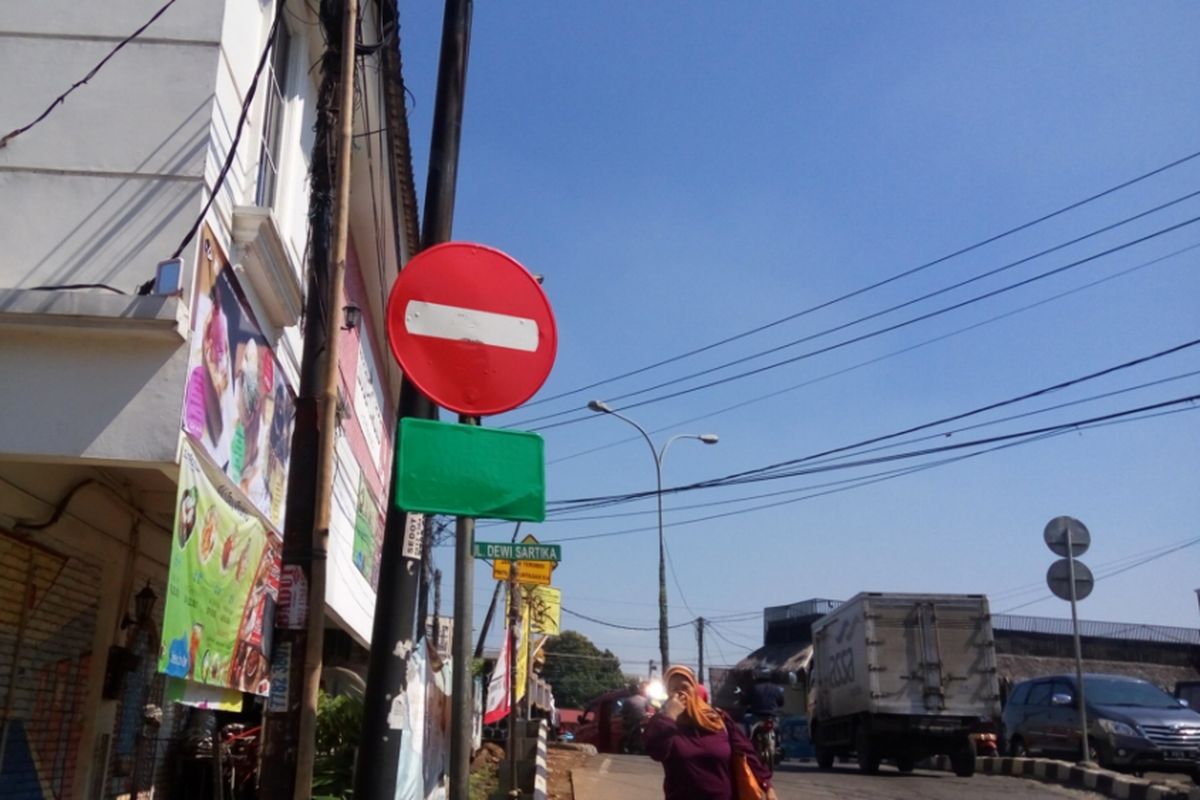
(514, 624)
(1079, 691)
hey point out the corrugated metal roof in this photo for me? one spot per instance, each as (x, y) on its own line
(1128, 631)
(1015, 668)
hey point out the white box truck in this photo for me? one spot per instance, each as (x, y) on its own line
(903, 677)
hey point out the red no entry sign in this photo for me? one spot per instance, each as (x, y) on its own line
(471, 328)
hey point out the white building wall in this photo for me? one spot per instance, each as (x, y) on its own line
(109, 184)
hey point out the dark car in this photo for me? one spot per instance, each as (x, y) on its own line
(1132, 724)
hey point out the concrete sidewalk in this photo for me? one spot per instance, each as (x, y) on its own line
(610, 777)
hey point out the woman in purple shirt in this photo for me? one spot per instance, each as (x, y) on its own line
(695, 744)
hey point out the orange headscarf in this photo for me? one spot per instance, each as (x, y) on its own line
(698, 712)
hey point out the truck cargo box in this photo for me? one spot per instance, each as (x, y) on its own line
(907, 654)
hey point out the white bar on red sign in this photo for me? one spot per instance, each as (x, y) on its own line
(439, 321)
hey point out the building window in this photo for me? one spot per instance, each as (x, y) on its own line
(273, 113)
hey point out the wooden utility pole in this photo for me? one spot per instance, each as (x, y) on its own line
(327, 406)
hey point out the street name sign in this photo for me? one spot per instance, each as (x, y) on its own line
(471, 328)
(517, 551)
(468, 471)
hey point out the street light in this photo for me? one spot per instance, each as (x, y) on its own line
(601, 407)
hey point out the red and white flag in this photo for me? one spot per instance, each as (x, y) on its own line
(499, 690)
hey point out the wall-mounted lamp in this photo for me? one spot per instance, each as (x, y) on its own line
(143, 606)
(352, 315)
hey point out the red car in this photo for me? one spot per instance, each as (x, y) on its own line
(609, 721)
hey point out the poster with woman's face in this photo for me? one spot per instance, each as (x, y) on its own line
(237, 407)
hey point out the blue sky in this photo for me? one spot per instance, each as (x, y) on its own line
(685, 172)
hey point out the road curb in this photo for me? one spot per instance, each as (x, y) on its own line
(1110, 784)
(540, 773)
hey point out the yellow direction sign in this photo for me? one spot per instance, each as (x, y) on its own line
(534, 572)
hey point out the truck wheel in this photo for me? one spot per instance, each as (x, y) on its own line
(824, 756)
(868, 753)
(906, 763)
(963, 761)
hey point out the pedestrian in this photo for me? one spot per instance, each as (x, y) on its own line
(697, 744)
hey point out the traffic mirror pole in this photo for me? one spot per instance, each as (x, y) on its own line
(1080, 696)
(395, 604)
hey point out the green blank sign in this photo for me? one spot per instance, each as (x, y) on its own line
(468, 471)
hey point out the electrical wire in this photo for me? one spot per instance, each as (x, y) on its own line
(714, 629)
(875, 314)
(1036, 586)
(869, 362)
(237, 136)
(619, 626)
(1113, 573)
(737, 477)
(8, 137)
(902, 443)
(721, 652)
(888, 329)
(982, 409)
(361, 81)
(1004, 441)
(878, 284)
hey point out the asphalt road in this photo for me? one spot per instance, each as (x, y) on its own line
(844, 782)
(609, 777)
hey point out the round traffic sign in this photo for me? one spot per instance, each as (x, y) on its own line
(1058, 578)
(1060, 529)
(471, 328)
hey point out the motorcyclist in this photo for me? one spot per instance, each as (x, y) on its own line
(764, 699)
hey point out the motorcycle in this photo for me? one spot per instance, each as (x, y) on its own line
(765, 738)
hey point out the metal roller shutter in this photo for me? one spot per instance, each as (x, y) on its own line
(48, 606)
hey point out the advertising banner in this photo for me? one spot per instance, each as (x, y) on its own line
(222, 588)
(238, 408)
(545, 608)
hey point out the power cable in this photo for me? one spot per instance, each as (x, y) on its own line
(775, 469)
(877, 284)
(729, 641)
(905, 442)
(1098, 578)
(1005, 441)
(888, 329)
(8, 137)
(884, 357)
(237, 136)
(845, 485)
(736, 477)
(377, 228)
(721, 652)
(1027, 588)
(985, 408)
(873, 315)
(619, 626)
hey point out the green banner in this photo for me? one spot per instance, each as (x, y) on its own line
(222, 588)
